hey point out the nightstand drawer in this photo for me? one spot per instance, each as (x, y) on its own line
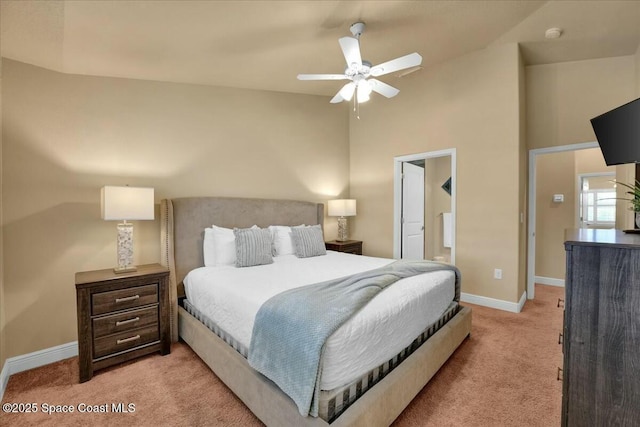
(134, 319)
(125, 340)
(357, 250)
(106, 302)
(348, 246)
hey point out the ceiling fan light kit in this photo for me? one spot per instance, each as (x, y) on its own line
(360, 71)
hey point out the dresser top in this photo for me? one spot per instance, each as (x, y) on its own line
(594, 237)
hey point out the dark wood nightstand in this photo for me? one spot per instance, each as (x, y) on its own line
(121, 316)
(348, 246)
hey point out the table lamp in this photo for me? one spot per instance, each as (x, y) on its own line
(123, 204)
(342, 208)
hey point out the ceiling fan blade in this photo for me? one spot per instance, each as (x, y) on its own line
(383, 89)
(411, 60)
(337, 99)
(345, 93)
(322, 77)
(351, 50)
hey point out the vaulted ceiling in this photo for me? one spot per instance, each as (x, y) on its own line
(265, 44)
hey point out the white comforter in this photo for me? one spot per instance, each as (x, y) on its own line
(231, 297)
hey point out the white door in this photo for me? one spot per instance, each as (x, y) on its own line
(412, 211)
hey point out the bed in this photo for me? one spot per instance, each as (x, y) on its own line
(375, 400)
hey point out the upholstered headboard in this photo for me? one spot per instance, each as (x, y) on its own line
(183, 221)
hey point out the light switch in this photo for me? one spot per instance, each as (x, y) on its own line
(558, 198)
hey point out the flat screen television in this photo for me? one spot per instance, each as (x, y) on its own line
(618, 133)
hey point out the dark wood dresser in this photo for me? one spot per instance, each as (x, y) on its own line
(601, 376)
(121, 316)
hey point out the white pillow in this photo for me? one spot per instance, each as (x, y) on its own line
(281, 235)
(224, 246)
(219, 246)
(208, 249)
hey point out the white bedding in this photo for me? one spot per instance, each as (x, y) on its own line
(231, 297)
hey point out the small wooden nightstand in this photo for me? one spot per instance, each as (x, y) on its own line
(348, 246)
(121, 316)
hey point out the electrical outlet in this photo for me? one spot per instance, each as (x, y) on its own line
(497, 273)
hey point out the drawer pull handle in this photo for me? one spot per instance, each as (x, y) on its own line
(559, 377)
(124, 322)
(560, 301)
(125, 299)
(124, 340)
(560, 338)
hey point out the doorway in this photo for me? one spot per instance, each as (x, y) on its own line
(424, 208)
(532, 220)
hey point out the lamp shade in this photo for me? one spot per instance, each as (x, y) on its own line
(127, 203)
(342, 207)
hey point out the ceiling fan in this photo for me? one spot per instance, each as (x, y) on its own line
(361, 72)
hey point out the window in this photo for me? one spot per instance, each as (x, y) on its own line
(599, 207)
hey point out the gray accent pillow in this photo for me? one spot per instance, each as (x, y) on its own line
(308, 241)
(253, 246)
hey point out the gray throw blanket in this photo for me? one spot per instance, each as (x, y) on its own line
(291, 328)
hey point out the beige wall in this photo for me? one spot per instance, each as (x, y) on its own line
(523, 176)
(470, 104)
(557, 173)
(626, 173)
(624, 215)
(638, 71)
(3, 347)
(591, 161)
(65, 136)
(562, 98)
(560, 101)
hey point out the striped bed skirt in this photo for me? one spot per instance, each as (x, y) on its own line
(334, 402)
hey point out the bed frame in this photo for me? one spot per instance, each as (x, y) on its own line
(183, 222)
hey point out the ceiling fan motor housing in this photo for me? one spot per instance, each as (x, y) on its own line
(357, 29)
(356, 69)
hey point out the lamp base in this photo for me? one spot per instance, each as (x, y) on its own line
(343, 232)
(125, 249)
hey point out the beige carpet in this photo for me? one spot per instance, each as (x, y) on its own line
(503, 375)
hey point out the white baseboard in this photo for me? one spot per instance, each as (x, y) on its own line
(4, 379)
(13, 365)
(513, 307)
(549, 281)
